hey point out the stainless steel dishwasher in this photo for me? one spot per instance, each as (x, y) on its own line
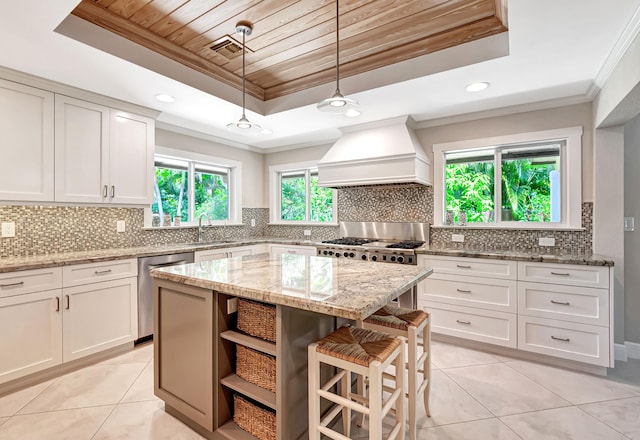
(145, 289)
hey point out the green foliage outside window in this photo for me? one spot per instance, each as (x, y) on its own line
(171, 192)
(526, 190)
(293, 198)
(211, 196)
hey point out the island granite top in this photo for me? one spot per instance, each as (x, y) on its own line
(339, 287)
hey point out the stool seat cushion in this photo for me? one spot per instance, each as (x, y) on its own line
(357, 345)
(397, 317)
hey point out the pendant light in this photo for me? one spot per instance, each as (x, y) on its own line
(243, 125)
(337, 104)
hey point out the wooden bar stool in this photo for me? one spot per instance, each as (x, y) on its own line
(409, 324)
(364, 352)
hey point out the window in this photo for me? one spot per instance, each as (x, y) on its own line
(531, 180)
(297, 198)
(192, 185)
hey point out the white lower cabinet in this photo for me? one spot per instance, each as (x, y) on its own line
(99, 316)
(559, 310)
(68, 318)
(31, 329)
(216, 254)
(279, 249)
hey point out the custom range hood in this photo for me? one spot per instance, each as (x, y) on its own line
(381, 153)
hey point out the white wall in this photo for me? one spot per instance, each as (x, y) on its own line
(560, 117)
(253, 195)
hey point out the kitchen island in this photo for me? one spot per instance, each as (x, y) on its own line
(196, 335)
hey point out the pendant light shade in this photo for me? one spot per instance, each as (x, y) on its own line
(243, 125)
(337, 104)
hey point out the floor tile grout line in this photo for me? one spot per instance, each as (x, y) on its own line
(113, 408)
(542, 386)
(601, 421)
(468, 393)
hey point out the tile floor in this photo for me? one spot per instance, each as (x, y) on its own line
(475, 395)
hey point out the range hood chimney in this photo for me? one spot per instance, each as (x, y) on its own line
(381, 153)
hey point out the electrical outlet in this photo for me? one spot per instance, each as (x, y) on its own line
(253, 222)
(629, 224)
(232, 305)
(307, 232)
(546, 241)
(8, 229)
(457, 238)
(120, 226)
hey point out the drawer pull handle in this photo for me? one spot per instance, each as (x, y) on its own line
(113, 191)
(104, 192)
(562, 303)
(463, 291)
(7, 286)
(102, 272)
(463, 322)
(57, 303)
(560, 339)
(562, 274)
(68, 302)
(463, 266)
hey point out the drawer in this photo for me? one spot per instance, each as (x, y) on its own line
(568, 274)
(27, 281)
(567, 303)
(484, 293)
(79, 274)
(568, 340)
(477, 267)
(488, 326)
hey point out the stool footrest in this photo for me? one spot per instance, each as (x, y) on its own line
(332, 434)
(343, 401)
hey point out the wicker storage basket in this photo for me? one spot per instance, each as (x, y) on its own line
(257, 319)
(257, 421)
(255, 367)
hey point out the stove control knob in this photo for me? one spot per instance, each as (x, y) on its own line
(325, 252)
(374, 258)
(393, 258)
(400, 259)
(330, 252)
(337, 254)
(346, 254)
(352, 254)
(364, 257)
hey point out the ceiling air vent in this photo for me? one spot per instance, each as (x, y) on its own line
(227, 47)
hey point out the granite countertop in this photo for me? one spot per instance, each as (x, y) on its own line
(10, 264)
(588, 260)
(333, 286)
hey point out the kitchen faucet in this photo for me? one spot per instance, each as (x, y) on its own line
(204, 214)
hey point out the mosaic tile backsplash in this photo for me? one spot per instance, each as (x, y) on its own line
(42, 229)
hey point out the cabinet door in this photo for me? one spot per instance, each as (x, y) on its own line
(215, 254)
(99, 316)
(82, 151)
(26, 130)
(31, 329)
(292, 249)
(131, 167)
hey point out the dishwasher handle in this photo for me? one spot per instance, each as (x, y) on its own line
(174, 263)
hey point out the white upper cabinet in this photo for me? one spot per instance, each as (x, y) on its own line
(102, 155)
(82, 151)
(26, 143)
(131, 170)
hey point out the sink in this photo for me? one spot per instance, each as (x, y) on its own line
(206, 243)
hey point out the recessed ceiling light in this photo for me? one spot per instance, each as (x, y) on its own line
(352, 113)
(162, 97)
(477, 86)
(266, 131)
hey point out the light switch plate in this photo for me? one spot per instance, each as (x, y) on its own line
(457, 238)
(120, 226)
(8, 229)
(546, 241)
(253, 222)
(629, 224)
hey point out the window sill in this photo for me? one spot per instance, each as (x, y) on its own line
(188, 226)
(512, 227)
(292, 223)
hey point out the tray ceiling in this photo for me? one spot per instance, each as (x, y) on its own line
(292, 46)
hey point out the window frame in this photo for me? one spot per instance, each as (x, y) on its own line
(235, 185)
(275, 171)
(570, 173)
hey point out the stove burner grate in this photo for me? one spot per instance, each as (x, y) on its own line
(406, 245)
(349, 241)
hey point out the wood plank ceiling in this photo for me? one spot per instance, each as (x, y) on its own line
(293, 44)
